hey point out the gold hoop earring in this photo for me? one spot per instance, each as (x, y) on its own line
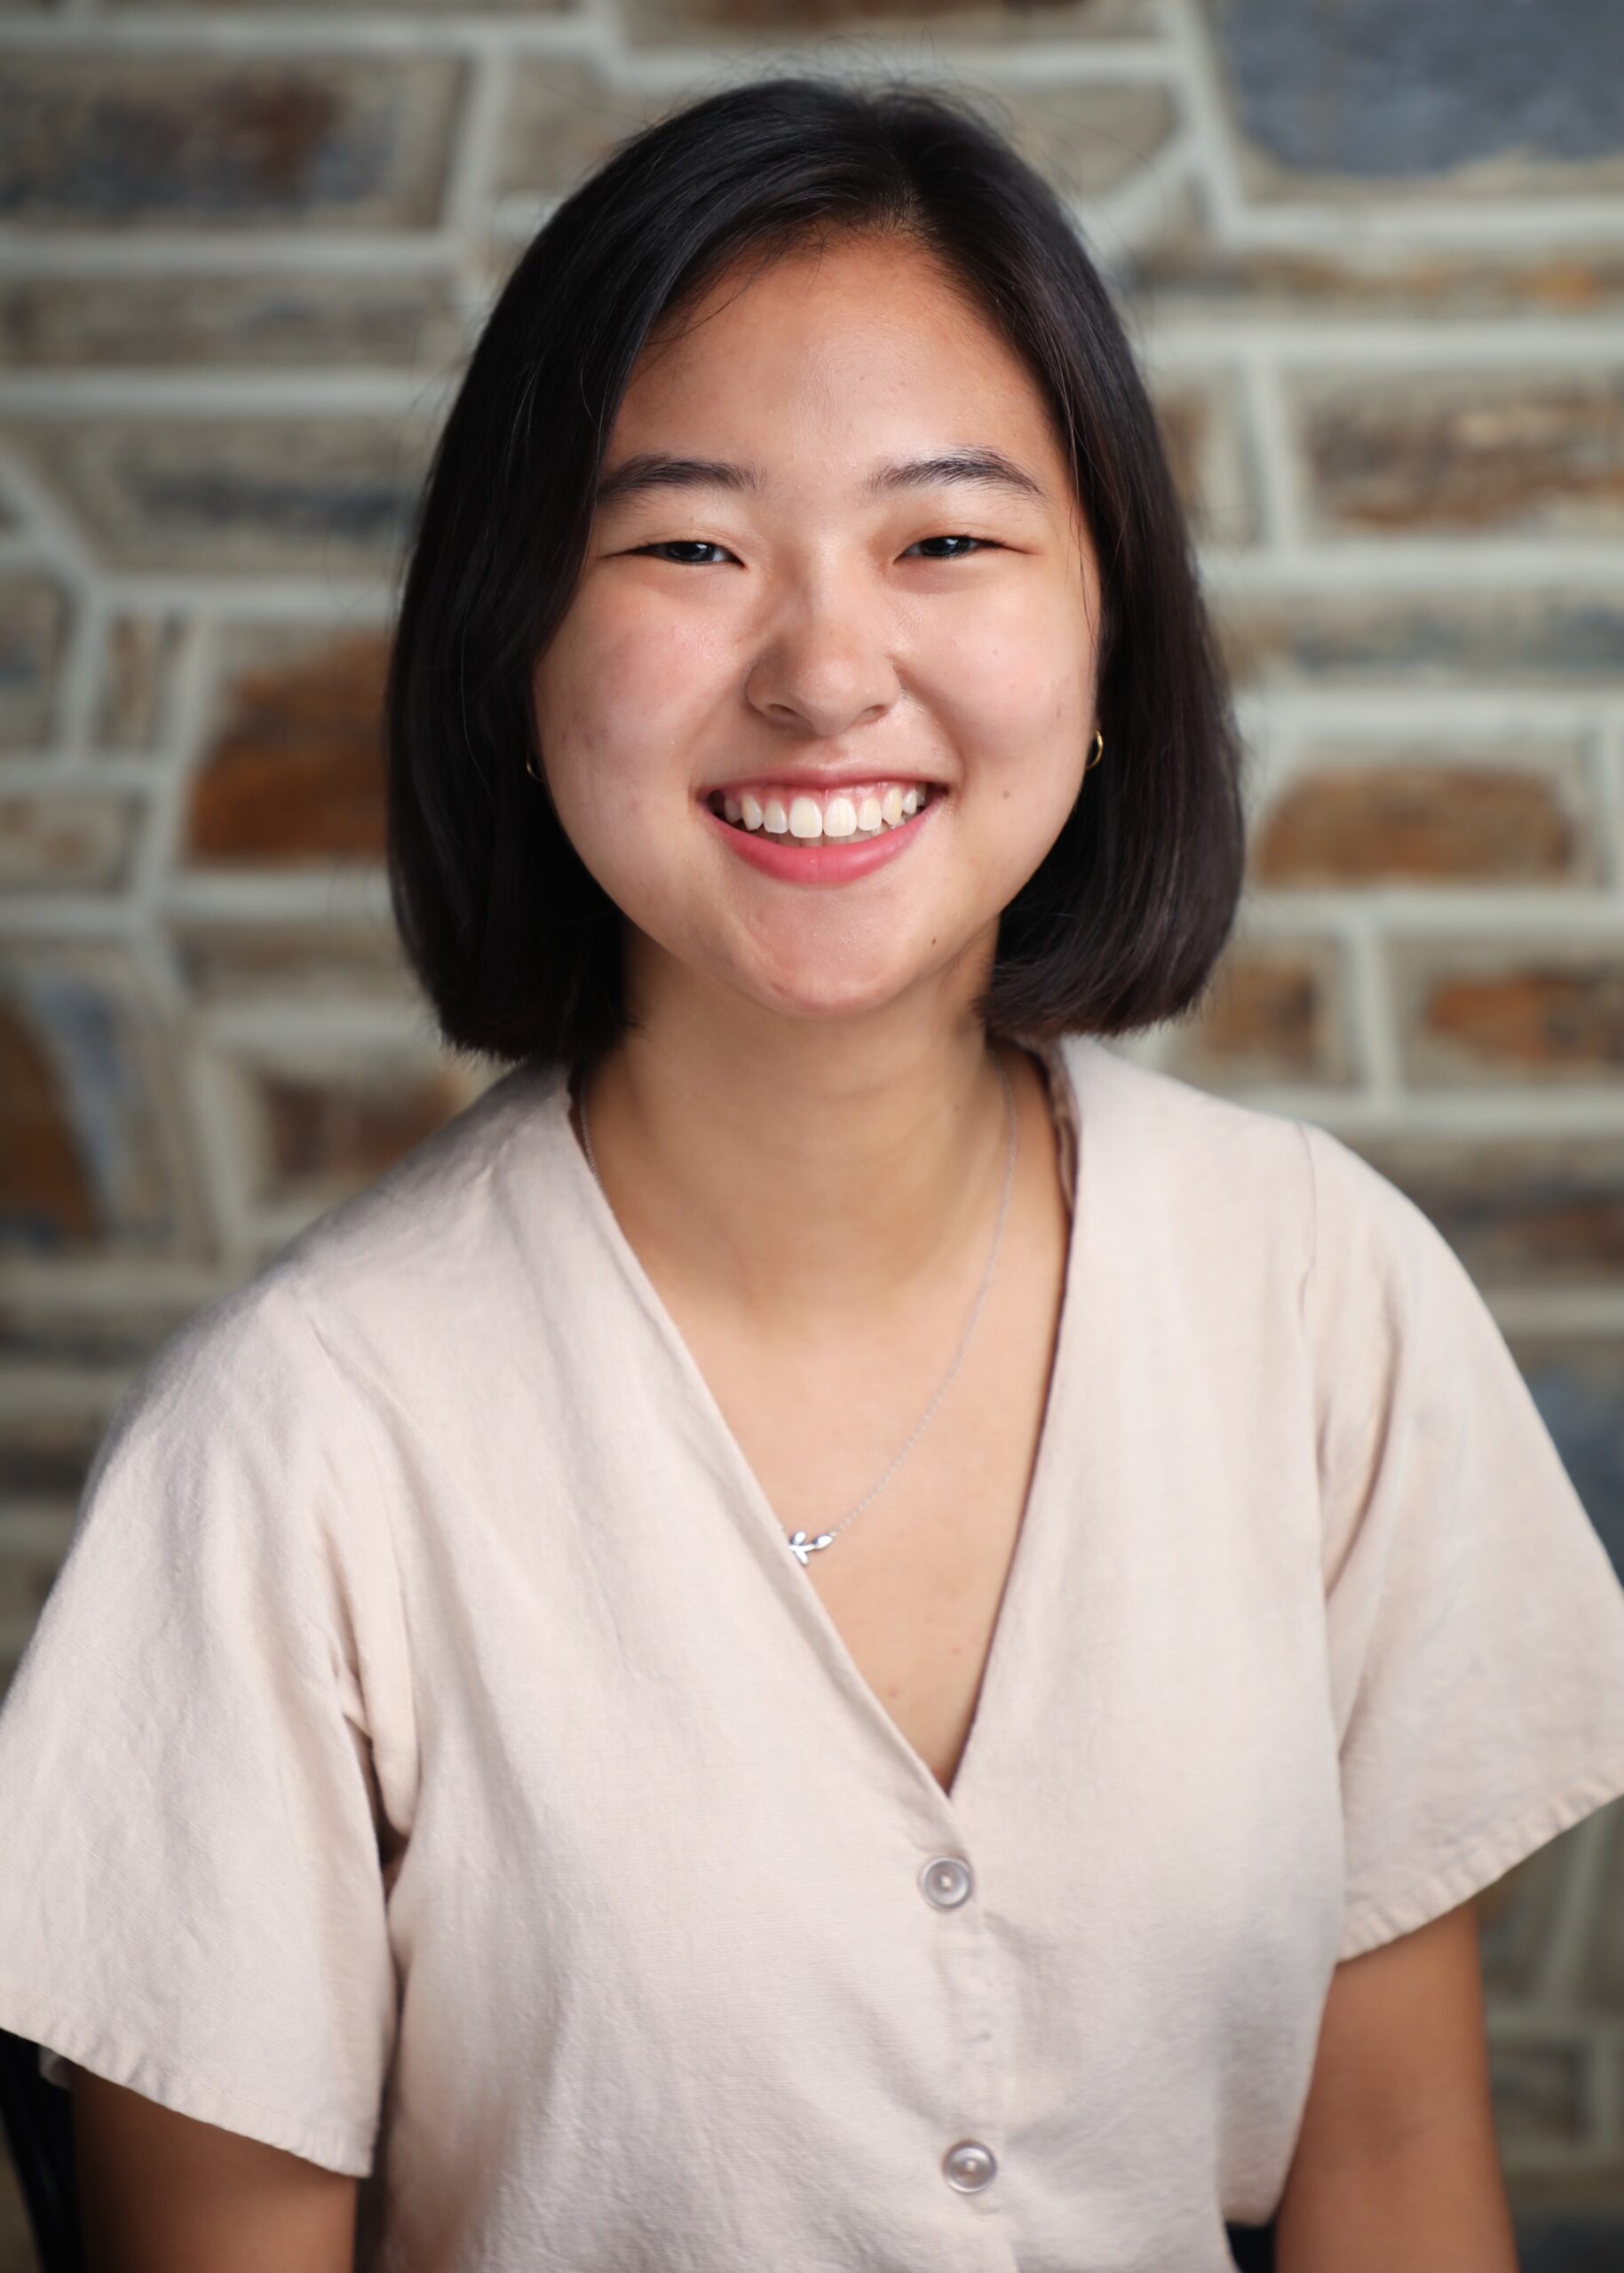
(530, 768)
(1098, 750)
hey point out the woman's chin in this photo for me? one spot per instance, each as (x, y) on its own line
(819, 997)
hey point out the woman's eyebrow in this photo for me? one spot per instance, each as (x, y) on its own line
(654, 470)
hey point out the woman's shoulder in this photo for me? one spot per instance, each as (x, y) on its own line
(1251, 1179)
(369, 1271)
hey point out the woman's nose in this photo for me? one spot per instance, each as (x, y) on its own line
(826, 665)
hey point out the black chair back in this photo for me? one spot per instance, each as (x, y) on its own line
(1252, 2247)
(38, 2120)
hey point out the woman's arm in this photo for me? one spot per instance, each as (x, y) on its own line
(1398, 2163)
(161, 2193)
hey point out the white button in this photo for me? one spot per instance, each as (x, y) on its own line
(947, 1881)
(969, 2166)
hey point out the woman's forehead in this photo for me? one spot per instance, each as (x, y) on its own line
(883, 364)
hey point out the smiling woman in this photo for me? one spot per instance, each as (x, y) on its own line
(838, 1628)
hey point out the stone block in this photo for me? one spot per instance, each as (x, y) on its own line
(325, 1130)
(1203, 433)
(26, 1575)
(515, 9)
(1520, 1211)
(91, 1158)
(1533, 453)
(1460, 99)
(89, 1332)
(1577, 1381)
(1542, 2091)
(33, 631)
(979, 20)
(291, 497)
(239, 961)
(119, 141)
(292, 769)
(1273, 1014)
(1603, 1965)
(1187, 267)
(69, 842)
(1562, 2210)
(1085, 137)
(1556, 639)
(1416, 814)
(1512, 1013)
(267, 322)
(563, 118)
(135, 682)
(45, 1455)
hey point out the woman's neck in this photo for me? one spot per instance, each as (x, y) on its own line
(800, 1173)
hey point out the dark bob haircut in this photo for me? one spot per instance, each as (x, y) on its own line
(516, 942)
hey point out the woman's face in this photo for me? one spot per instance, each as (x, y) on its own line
(788, 602)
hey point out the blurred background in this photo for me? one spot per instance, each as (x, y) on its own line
(1372, 255)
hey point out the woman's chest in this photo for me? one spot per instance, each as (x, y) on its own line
(671, 1842)
(917, 1569)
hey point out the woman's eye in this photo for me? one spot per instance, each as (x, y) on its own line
(981, 542)
(685, 543)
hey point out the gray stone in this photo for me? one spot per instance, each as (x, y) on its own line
(1185, 265)
(113, 1334)
(1578, 1385)
(1490, 95)
(981, 21)
(259, 323)
(138, 665)
(306, 495)
(512, 8)
(1542, 2091)
(70, 842)
(244, 961)
(1464, 451)
(1203, 433)
(1519, 1211)
(33, 624)
(1514, 1916)
(1603, 1970)
(1084, 137)
(90, 1152)
(1561, 640)
(563, 118)
(112, 142)
(45, 1455)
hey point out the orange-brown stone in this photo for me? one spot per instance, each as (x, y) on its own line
(1438, 824)
(294, 772)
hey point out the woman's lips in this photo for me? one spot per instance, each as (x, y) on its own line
(830, 860)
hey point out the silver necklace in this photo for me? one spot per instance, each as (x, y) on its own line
(799, 1545)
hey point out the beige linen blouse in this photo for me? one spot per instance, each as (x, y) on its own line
(431, 1760)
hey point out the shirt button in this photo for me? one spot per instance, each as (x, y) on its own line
(947, 1881)
(969, 2166)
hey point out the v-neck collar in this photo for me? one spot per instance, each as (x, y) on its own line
(1024, 1590)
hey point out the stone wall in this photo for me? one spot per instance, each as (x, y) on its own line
(1372, 257)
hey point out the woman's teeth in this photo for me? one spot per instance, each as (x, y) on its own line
(856, 812)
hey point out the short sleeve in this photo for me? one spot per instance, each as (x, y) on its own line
(192, 1897)
(1475, 1623)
